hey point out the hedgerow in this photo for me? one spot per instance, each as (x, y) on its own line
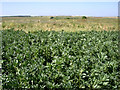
(49, 59)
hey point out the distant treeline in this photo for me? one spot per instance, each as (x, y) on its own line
(68, 17)
(18, 16)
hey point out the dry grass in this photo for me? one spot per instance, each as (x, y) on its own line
(58, 23)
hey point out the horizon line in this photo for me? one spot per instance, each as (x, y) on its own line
(50, 15)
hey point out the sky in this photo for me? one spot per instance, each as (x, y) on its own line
(98, 9)
(59, 0)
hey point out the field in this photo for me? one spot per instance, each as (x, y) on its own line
(60, 52)
(58, 23)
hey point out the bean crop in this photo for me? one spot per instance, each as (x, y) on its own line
(50, 59)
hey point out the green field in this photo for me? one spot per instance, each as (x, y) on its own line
(60, 52)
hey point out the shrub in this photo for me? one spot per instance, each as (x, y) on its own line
(51, 17)
(84, 17)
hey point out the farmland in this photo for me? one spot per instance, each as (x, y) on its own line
(58, 23)
(60, 52)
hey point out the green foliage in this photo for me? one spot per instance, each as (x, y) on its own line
(84, 17)
(51, 17)
(49, 59)
(3, 25)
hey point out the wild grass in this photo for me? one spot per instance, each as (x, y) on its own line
(58, 23)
